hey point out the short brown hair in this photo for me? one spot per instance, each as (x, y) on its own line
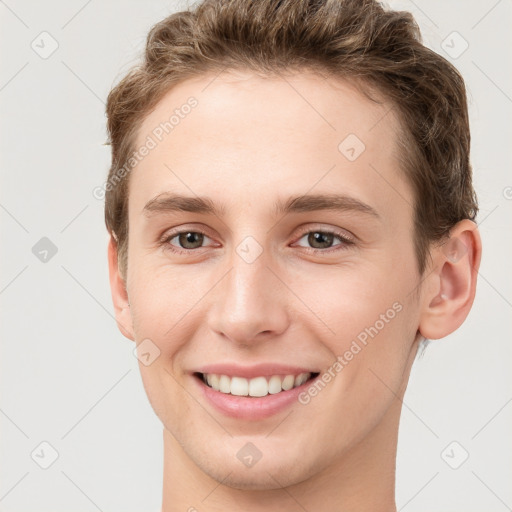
(352, 39)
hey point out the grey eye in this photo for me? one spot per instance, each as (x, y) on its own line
(320, 239)
(189, 239)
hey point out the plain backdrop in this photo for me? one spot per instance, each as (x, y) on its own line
(69, 379)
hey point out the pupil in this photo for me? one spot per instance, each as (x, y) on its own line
(320, 240)
(196, 239)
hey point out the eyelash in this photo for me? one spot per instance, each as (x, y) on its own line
(345, 241)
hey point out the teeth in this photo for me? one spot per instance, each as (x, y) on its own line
(288, 382)
(213, 381)
(257, 387)
(224, 384)
(300, 379)
(274, 385)
(239, 386)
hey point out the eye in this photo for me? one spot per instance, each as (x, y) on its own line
(185, 240)
(320, 240)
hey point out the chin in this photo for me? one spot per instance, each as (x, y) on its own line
(265, 475)
(248, 480)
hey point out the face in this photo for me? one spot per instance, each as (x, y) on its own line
(229, 278)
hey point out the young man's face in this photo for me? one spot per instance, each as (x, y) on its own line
(266, 291)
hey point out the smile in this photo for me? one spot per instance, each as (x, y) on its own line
(256, 387)
(252, 392)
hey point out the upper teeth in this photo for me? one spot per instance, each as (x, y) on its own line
(259, 386)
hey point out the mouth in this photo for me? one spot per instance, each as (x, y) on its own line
(256, 387)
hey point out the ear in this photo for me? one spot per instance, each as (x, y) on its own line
(119, 294)
(451, 284)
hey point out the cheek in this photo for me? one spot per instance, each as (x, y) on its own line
(160, 299)
(165, 309)
(350, 300)
(372, 321)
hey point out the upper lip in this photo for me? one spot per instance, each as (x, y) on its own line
(257, 370)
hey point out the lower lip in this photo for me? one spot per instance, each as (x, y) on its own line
(252, 408)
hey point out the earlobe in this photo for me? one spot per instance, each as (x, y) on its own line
(119, 294)
(451, 284)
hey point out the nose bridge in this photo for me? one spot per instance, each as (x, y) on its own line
(246, 303)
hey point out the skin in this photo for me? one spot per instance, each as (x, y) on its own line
(250, 141)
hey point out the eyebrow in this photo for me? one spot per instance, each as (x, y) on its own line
(168, 203)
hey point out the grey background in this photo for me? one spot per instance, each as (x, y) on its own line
(69, 378)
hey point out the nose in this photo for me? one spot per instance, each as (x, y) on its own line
(249, 304)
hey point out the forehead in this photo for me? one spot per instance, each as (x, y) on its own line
(328, 106)
(259, 135)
